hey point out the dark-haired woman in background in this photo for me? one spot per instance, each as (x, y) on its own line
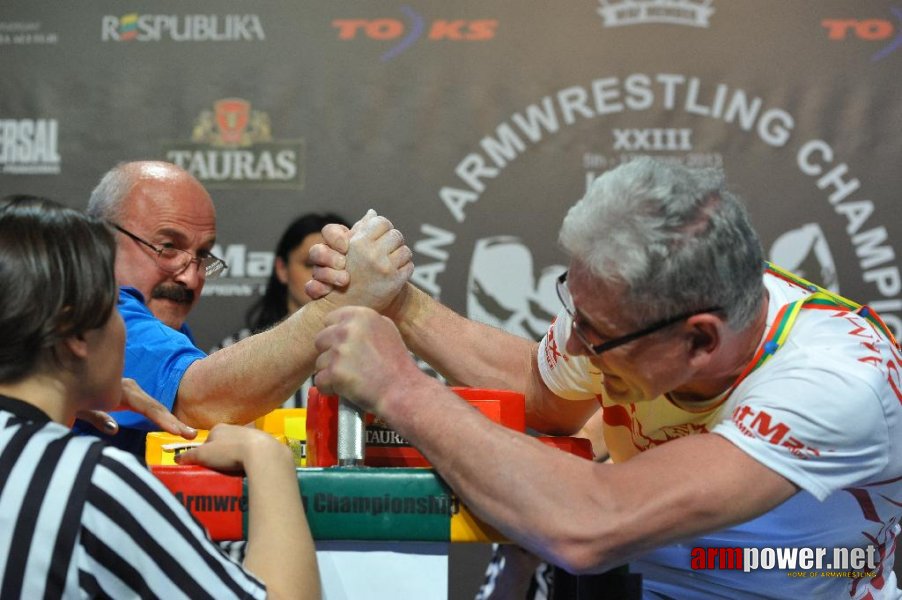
(82, 519)
(284, 292)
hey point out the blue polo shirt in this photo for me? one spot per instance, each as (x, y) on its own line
(156, 356)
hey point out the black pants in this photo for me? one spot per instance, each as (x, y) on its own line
(616, 584)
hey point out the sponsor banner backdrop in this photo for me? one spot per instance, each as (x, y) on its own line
(472, 125)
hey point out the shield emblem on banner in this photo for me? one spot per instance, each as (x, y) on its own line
(232, 116)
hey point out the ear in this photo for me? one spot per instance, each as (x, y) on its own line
(703, 334)
(77, 345)
(281, 270)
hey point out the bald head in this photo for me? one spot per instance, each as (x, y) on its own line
(166, 206)
(113, 193)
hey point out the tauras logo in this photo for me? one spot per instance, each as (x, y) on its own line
(618, 13)
(380, 436)
(232, 146)
(181, 28)
(29, 146)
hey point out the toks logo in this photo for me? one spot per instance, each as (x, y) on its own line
(232, 146)
(416, 28)
(869, 30)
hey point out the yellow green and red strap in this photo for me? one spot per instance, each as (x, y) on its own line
(821, 299)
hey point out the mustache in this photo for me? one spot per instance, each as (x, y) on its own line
(176, 293)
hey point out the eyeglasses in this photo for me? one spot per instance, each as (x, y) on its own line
(563, 293)
(173, 260)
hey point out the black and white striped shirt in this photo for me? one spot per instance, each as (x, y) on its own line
(79, 519)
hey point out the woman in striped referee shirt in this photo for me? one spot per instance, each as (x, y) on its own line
(79, 519)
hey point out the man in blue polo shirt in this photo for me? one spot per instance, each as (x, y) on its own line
(166, 228)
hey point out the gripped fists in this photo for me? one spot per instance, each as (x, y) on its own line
(367, 265)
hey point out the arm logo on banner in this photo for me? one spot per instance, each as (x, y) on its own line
(232, 146)
(505, 291)
(806, 252)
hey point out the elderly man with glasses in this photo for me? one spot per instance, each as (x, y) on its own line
(749, 414)
(166, 225)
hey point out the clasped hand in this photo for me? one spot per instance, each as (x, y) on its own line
(367, 265)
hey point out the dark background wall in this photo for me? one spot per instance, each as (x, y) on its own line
(472, 125)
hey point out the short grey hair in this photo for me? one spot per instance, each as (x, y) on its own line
(107, 199)
(673, 236)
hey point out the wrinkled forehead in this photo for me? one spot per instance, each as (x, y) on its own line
(176, 201)
(596, 298)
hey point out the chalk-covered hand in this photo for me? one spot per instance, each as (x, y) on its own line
(367, 265)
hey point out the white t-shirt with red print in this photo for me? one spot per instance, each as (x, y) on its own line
(825, 411)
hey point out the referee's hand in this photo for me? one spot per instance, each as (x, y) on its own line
(137, 400)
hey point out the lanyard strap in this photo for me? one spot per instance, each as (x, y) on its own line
(820, 299)
(825, 299)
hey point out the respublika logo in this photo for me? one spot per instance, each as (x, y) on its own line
(232, 146)
(29, 147)
(406, 31)
(875, 30)
(619, 13)
(181, 28)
